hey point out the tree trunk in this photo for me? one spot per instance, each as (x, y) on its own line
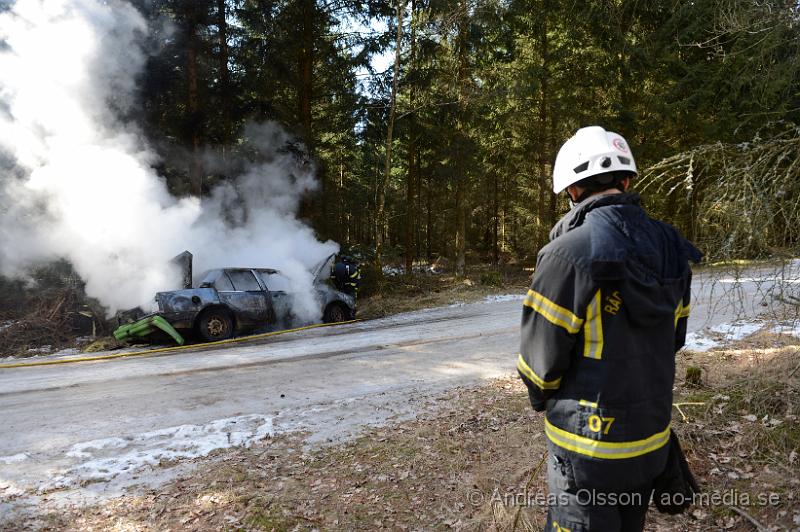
(429, 218)
(412, 176)
(306, 69)
(380, 210)
(411, 214)
(461, 228)
(418, 225)
(193, 105)
(495, 221)
(461, 185)
(544, 142)
(341, 217)
(314, 208)
(224, 77)
(503, 210)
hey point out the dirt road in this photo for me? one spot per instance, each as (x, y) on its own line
(80, 431)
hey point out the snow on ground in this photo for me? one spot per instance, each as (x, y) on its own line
(428, 269)
(737, 331)
(106, 458)
(74, 352)
(13, 459)
(697, 341)
(45, 349)
(736, 280)
(504, 297)
(719, 335)
(500, 298)
(771, 277)
(790, 328)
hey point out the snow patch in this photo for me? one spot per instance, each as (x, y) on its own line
(392, 271)
(9, 491)
(104, 461)
(772, 279)
(699, 342)
(14, 458)
(41, 349)
(723, 333)
(427, 269)
(792, 329)
(79, 450)
(68, 352)
(738, 330)
(504, 297)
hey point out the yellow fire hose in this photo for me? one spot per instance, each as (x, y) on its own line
(168, 349)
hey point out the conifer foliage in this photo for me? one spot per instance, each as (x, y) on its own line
(443, 150)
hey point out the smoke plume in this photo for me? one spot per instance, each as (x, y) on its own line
(77, 183)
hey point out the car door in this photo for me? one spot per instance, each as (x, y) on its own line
(279, 290)
(248, 299)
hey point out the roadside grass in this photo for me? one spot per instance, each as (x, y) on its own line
(743, 440)
(471, 463)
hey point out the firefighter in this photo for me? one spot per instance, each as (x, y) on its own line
(605, 314)
(346, 275)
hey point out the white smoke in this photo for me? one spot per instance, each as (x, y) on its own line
(78, 184)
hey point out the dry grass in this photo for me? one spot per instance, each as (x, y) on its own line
(451, 468)
(745, 438)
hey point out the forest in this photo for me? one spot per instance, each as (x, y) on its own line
(447, 152)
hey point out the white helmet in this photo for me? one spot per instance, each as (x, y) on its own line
(591, 151)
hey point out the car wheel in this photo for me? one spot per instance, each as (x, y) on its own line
(215, 324)
(335, 313)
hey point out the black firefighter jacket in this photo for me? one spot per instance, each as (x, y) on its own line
(606, 312)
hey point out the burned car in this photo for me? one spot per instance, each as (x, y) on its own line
(231, 300)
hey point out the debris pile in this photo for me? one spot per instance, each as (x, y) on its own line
(46, 317)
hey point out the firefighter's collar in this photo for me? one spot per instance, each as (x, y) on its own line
(575, 217)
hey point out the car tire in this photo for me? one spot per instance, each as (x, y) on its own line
(214, 324)
(335, 313)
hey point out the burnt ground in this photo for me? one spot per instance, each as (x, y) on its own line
(462, 465)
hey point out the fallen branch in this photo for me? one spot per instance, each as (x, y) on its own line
(527, 487)
(679, 405)
(791, 373)
(749, 517)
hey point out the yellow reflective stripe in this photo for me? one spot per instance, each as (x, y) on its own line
(526, 370)
(605, 449)
(552, 312)
(593, 328)
(682, 312)
(584, 402)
